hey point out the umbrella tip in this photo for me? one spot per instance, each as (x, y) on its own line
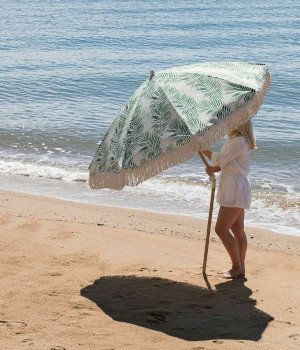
(151, 74)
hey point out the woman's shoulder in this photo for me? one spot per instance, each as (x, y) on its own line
(238, 138)
(239, 141)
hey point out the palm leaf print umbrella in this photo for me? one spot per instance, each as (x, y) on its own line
(174, 114)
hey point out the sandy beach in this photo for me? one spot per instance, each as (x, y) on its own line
(79, 276)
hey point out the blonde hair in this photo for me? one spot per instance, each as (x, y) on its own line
(245, 130)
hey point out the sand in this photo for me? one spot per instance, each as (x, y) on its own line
(79, 276)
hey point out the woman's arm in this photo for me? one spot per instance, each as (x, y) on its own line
(234, 147)
(210, 169)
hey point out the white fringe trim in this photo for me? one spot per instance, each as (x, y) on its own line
(182, 153)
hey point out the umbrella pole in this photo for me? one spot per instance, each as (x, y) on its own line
(212, 179)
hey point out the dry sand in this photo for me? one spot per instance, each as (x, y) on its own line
(78, 276)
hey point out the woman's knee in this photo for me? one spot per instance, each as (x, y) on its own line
(220, 229)
(237, 229)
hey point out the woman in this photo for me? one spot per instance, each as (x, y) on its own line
(234, 194)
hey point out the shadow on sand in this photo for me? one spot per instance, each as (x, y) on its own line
(180, 310)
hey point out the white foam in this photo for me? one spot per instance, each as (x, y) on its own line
(179, 195)
(39, 170)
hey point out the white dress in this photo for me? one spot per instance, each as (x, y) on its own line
(234, 189)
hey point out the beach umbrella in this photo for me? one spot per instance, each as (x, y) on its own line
(174, 114)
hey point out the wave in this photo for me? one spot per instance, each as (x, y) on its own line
(272, 206)
(41, 170)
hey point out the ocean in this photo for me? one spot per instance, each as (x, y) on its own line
(68, 67)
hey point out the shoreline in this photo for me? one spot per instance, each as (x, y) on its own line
(193, 225)
(82, 276)
(81, 193)
(140, 220)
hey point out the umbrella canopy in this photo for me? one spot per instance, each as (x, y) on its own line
(173, 114)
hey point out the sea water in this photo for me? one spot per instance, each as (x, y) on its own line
(68, 67)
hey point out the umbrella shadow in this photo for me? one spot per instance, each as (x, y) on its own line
(179, 309)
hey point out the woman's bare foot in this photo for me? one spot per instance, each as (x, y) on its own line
(233, 273)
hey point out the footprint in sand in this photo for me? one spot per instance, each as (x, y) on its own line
(53, 293)
(55, 274)
(290, 310)
(78, 305)
(156, 317)
(13, 324)
(294, 336)
(58, 348)
(199, 307)
(30, 224)
(62, 235)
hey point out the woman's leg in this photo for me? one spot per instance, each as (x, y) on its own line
(239, 234)
(226, 219)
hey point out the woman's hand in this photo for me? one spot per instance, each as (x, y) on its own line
(209, 170)
(212, 169)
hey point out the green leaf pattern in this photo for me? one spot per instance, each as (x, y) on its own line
(175, 105)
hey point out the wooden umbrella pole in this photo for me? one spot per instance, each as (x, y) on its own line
(201, 155)
(212, 179)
